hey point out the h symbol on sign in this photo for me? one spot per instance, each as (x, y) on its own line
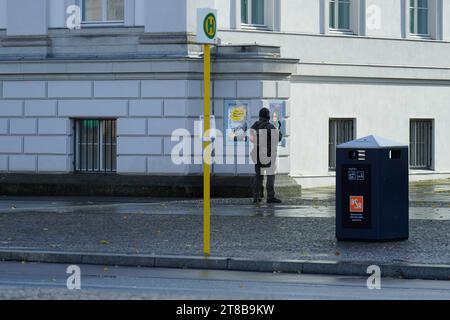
(210, 25)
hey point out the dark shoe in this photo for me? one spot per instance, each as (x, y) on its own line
(256, 201)
(274, 200)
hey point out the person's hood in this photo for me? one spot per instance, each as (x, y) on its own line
(260, 122)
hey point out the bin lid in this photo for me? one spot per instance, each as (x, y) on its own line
(371, 142)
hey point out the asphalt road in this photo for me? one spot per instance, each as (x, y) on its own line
(48, 281)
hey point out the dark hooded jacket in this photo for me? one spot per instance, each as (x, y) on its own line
(263, 126)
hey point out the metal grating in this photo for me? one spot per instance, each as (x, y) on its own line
(95, 145)
(421, 144)
(340, 131)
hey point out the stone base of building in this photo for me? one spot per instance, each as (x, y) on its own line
(135, 185)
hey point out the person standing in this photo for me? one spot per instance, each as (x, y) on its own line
(265, 137)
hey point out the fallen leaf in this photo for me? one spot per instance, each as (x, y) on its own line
(337, 253)
(104, 242)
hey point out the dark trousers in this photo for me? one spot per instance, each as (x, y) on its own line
(258, 184)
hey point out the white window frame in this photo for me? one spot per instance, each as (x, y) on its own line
(251, 25)
(336, 10)
(104, 20)
(416, 19)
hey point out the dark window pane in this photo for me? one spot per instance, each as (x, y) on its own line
(412, 20)
(422, 21)
(244, 11)
(258, 12)
(422, 3)
(344, 15)
(332, 15)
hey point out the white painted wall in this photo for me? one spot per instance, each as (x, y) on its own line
(348, 49)
(27, 17)
(57, 13)
(380, 109)
(165, 16)
(389, 13)
(300, 16)
(2, 14)
(139, 8)
(226, 13)
(446, 20)
(292, 16)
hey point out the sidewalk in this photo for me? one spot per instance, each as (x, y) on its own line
(288, 237)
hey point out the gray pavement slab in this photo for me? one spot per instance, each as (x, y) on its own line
(249, 235)
(162, 232)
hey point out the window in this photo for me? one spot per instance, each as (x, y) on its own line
(418, 17)
(340, 15)
(341, 131)
(103, 10)
(252, 12)
(421, 144)
(95, 145)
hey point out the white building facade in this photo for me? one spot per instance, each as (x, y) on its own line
(108, 96)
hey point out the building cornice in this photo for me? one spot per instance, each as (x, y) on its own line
(181, 67)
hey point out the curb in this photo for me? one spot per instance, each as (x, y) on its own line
(406, 271)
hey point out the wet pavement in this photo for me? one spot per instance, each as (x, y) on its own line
(292, 208)
(436, 191)
(292, 230)
(256, 237)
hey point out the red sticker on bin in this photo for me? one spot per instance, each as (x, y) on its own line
(356, 204)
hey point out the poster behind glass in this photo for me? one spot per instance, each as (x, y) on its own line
(278, 118)
(236, 121)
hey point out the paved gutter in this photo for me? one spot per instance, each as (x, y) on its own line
(391, 270)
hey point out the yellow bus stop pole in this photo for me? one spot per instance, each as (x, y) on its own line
(206, 151)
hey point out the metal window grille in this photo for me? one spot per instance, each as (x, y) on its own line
(95, 145)
(340, 131)
(421, 144)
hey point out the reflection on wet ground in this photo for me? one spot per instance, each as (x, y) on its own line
(424, 191)
(430, 201)
(196, 208)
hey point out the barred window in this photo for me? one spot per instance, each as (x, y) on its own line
(95, 145)
(421, 144)
(340, 131)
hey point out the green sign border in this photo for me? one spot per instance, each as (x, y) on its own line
(215, 24)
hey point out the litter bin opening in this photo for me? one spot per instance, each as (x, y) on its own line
(357, 155)
(395, 154)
